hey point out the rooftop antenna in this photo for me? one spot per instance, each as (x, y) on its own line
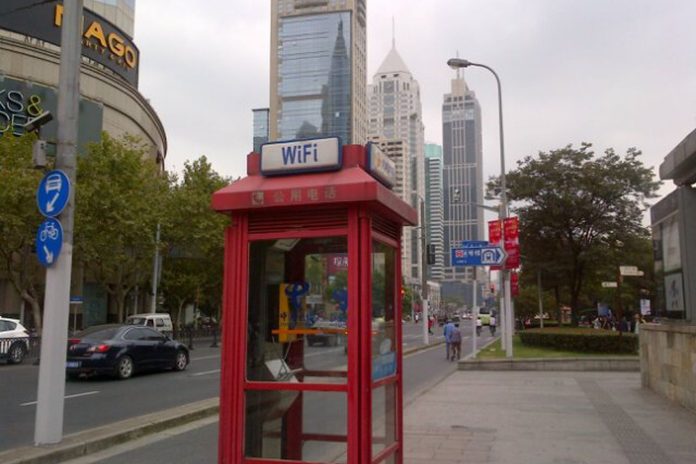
(458, 68)
(393, 33)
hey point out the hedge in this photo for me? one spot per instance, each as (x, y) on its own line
(581, 340)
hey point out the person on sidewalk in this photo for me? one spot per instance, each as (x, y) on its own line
(447, 331)
(431, 323)
(479, 326)
(456, 342)
(491, 325)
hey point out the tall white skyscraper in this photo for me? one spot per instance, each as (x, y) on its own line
(395, 119)
(318, 70)
(462, 176)
(434, 212)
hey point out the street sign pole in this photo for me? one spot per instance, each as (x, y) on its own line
(54, 337)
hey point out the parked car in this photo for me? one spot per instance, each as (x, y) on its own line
(121, 350)
(14, 341)
(161, 322)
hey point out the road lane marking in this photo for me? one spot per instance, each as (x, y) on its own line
(214, 371)
(67, 397)
(212, 356)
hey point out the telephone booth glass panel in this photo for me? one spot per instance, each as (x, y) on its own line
(384, 349)
(297, 334)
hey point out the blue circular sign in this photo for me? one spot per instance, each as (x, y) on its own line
(49, 241)
(53, 193)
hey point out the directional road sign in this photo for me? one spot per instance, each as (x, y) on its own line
(49, 241)
(53, 193)
(483, 256)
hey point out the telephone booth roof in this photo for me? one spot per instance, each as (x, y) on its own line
(349, 185)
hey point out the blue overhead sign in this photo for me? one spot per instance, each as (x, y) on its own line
(474, 244)
(479, 256)
(49, 241)
(53, 193)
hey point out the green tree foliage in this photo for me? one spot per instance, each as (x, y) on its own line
(19, 221)
(119, 201)
(574, 207)
(194, 236)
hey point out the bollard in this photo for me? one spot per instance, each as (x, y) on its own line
(190, 333)
(215, 342)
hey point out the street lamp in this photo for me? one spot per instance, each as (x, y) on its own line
(456, 63)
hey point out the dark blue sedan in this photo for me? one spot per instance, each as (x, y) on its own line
(121, 350)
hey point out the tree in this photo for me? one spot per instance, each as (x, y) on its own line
(195, 239)
(19, 220)
(119, 202)
(574, 208)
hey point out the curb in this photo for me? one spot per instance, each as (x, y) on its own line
(590, 364)
(89, 441)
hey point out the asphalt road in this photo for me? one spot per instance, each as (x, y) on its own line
(99, 401)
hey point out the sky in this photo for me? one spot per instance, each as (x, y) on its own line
(619, 73)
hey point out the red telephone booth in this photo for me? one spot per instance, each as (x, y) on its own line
(311, 347)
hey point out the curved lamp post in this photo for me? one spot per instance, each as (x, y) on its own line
(456, 63)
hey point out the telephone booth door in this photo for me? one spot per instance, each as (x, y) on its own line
(311, 368)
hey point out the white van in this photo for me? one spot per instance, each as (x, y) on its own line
(161, 322)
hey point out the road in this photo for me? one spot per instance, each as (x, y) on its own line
(99, 401)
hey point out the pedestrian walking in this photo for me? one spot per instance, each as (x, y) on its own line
(491, 325)
(479, 325)
(447, 331)
(456, 342)
(431, 323)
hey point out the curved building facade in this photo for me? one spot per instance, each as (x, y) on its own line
(110, 100)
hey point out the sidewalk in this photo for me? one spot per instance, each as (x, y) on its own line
(505, 417)
(547, 418)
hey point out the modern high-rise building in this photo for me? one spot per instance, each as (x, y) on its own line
(318, 70)
(434, 214)
(119, 12)
(260, 128)
(462, 182)
(395, 117)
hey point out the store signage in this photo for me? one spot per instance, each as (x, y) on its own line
(300, 156)
(16, 109)
(380, 165)
(102, 41)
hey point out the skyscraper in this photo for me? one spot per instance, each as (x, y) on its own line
(318, 70)
(462, 174)
(433, 209)
(260, 128)
(395, 119)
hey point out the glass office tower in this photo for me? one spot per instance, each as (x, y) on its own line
(318, 70)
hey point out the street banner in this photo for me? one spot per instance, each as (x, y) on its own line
(512, 242)
(514, 284)
(495, 235)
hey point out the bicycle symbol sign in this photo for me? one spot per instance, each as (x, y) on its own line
(49, 241)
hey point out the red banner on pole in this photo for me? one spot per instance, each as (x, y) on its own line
(514, 284)
(512, 242)
(495, 236)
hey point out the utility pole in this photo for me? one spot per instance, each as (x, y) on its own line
(424, 276)
(54, 337)
(155, 271)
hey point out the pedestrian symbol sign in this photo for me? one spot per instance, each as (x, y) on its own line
(49, 241)
(53, 193)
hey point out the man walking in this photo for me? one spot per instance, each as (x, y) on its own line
(447, 331)
(491, 325)
(456, 342)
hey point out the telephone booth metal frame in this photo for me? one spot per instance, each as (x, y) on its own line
(347, 212)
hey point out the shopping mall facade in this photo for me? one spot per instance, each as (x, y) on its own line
(110, 101)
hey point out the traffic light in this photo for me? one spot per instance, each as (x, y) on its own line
(431, 254)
